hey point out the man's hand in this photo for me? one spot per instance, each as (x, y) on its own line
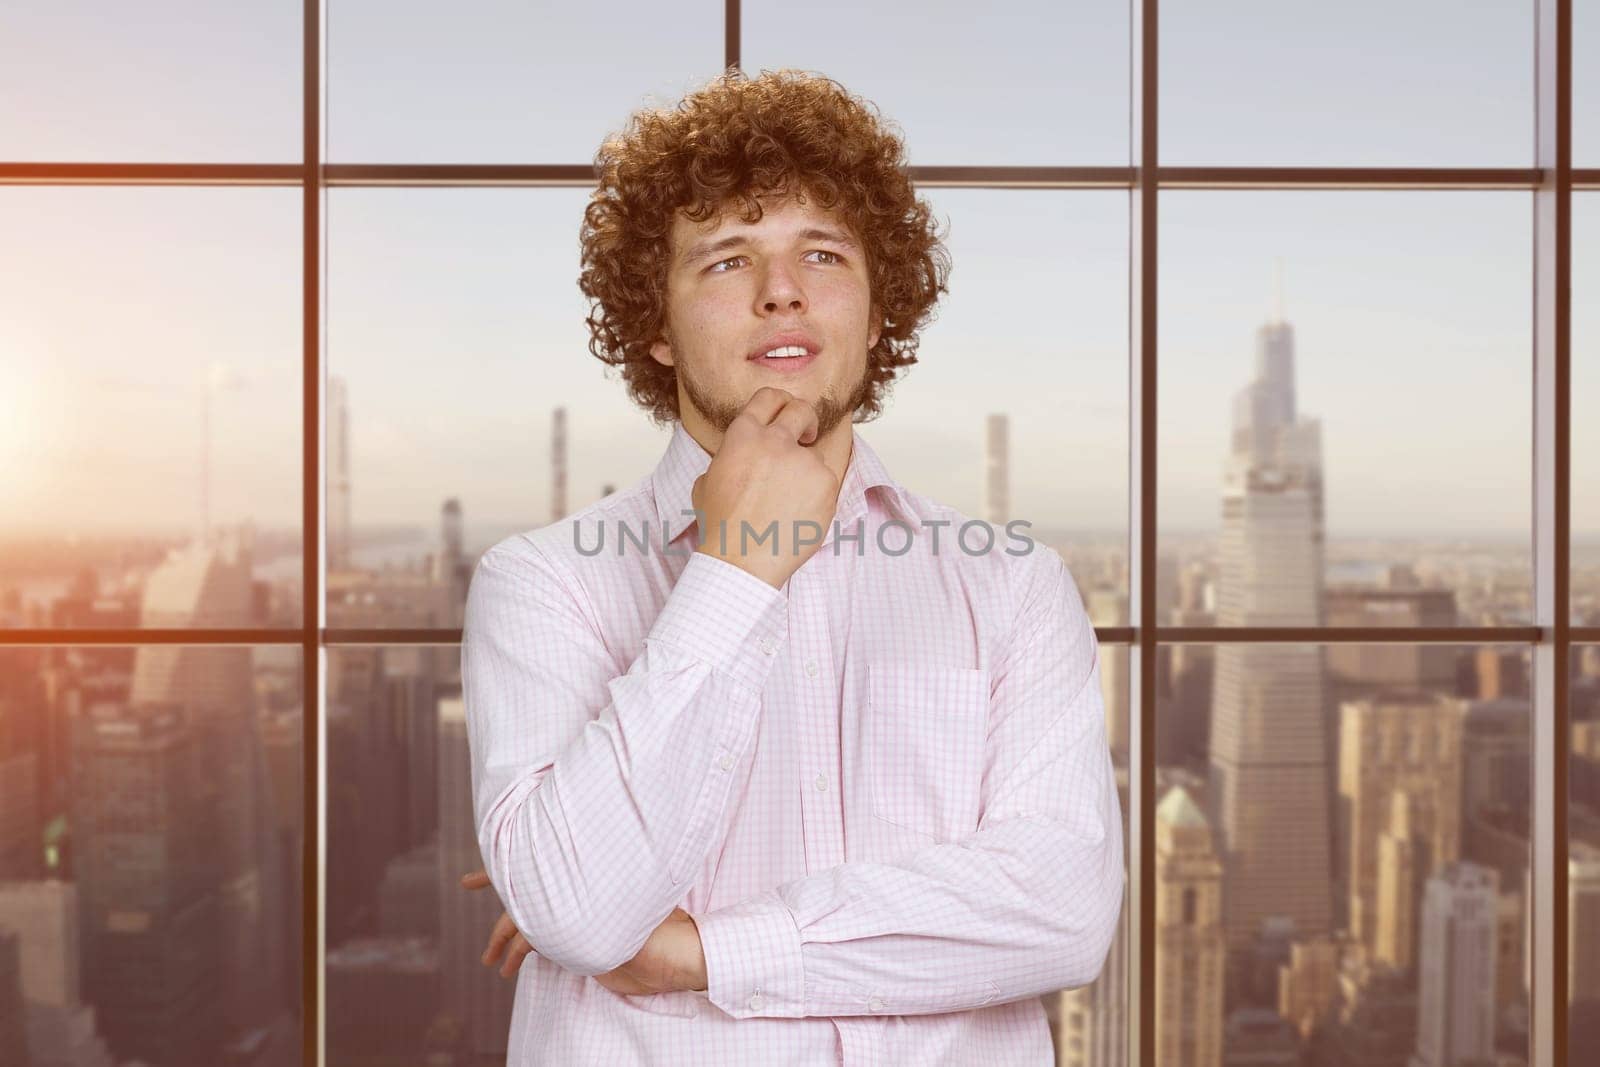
(763, 474)
(671, 959)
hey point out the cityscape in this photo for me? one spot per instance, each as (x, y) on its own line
(1342, 831)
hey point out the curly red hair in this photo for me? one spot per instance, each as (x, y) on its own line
(738, 140)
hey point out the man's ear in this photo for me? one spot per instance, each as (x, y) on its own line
(661, 350)
(876, 329)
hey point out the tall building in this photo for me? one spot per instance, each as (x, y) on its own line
(1455, 1014)
(1583, 935)
(13, 1035)
(338, 461)
(1189, 936)
(475, 995)
(1109, 607)
(1399, 811)
(43, 917)
(452, 570)
(997, 470)
(1583, 924)
(214, 687)
(1268, 749)
(1308, 985)
(21, 827)
(146, 862)
(558, 464)
(1092, 1020)
(1396, 604)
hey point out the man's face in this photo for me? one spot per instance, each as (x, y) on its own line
(735, 290)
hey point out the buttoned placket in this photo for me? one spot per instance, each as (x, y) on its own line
(817, 727)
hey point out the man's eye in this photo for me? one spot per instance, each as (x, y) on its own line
(714, 268)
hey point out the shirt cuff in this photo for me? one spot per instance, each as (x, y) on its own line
(753, 962)
(725, 616)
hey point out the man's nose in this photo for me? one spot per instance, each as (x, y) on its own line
(781, 289)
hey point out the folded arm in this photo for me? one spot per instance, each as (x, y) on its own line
(1024, 905)
(597, 793)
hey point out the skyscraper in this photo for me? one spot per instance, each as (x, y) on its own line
(474, 994)
(1268, 749)
(1189, 936)
(1455, 1014)
(1093, 1021)
(558, 464)
(214, 688)
(143, 825)
(43, 916)
(13, 1038)
(1109, 607)
(1400, 810)
(338, 460)
(1583, 927)
(997, 470)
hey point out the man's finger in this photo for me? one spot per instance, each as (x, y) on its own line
(504, 930)
(519, 951)
(765, 403)
(799, 419)
(475, 880)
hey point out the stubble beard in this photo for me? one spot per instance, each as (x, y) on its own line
(720, 412)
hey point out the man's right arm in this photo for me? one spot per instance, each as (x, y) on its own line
(596, 794)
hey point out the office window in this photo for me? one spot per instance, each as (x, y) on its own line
(1366, 83)
(150, 384)
(163, 81)
(214, 347)
(151, 835)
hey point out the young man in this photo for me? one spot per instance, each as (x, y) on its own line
(797, 765)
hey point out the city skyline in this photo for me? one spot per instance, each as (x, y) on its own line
(80, 391)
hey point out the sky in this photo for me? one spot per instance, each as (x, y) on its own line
(455, 318)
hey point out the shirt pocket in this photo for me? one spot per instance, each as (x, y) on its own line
(923, 746)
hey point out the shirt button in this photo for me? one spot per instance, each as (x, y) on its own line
(767, 646)
(756, 1002)
(822, 781)
(726, 762)
(875, 1004)
(811, 667)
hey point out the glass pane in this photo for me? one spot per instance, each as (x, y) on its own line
(1583, 859)
(1342, 853)
(1089, 1025)
(1364, 83)
(418, 277)
(1363, 437)
(1010, 83)
(150, 407)
(404, 937)
(1585, 591)
(1585, 83)
(1059, 381)
(150, 854)
(496, 81)
(163, 81)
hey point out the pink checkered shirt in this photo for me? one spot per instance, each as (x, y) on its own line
(883, 792)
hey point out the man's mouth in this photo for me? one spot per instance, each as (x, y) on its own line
(786, 358)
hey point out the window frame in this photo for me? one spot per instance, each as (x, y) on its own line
(1552, 637)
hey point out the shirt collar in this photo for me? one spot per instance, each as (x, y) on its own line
(672, 482)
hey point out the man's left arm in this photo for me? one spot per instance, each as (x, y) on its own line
(1026, 904)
